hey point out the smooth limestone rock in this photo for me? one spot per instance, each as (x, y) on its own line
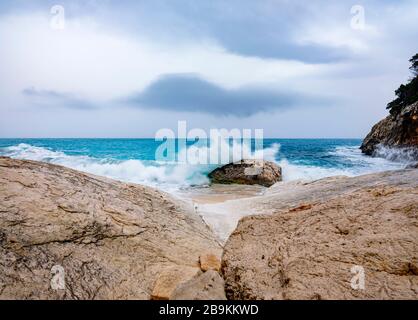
(400, 131)
(315, 244)
(207, 286)
(260, 172)
(69, 235)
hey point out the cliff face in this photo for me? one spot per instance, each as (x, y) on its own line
(400, 130)
(69, 235)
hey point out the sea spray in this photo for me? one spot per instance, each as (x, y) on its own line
(406, 155)
(132, 160)
(165, 175)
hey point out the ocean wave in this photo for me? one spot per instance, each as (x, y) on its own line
(402, 154)
(384, 159)
(292, 171)
(165, 175)
(349, 162)
(136, 171)
(173, 175)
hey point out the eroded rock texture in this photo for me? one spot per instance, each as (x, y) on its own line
(307, 250)
(111, 239)
(400, 131)
(260, 172)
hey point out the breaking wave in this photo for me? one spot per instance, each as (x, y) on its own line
(165, 175)
(346, 160)
(349, 161)
(403, 155)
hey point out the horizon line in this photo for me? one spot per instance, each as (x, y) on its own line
(153, 138)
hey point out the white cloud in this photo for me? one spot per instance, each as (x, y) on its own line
(88, 59)
(101, 60)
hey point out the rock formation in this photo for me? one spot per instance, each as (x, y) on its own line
(69, 235)
(321, 237)
(398, 130)
(260, 172)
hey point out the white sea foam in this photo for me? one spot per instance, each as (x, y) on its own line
(355, 163)
(225, 152)
(385, 159)
(403, 155)
(171, 176)
(166, 175)
(146, 172)
(291, 171)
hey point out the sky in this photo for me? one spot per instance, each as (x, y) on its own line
(296, 69)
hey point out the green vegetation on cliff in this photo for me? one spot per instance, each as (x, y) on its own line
(406, 93)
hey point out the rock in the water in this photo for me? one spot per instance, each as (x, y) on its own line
(207, 286)
(320, 248)
(400, 131)
(69, 235)
(260, 172)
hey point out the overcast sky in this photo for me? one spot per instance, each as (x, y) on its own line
(297, 69)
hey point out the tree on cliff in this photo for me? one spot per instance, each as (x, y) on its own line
(414, 66)
(406, 93)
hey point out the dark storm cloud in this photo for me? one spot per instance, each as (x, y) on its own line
(264, 29)
(190, 93)
(51, 98)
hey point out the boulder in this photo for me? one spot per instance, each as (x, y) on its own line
(260, 172)
(70, 235)
(395, 131)
(345, 238)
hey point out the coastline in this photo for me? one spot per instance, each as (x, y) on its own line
(236, 153)
(144, 232)
(134, 160)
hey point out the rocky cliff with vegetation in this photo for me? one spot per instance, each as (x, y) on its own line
(399, 129)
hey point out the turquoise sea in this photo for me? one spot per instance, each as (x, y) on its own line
(133, 160)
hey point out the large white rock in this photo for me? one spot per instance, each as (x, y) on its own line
(107, 239)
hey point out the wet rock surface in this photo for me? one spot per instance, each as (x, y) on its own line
(395, 131)
(259, 172)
